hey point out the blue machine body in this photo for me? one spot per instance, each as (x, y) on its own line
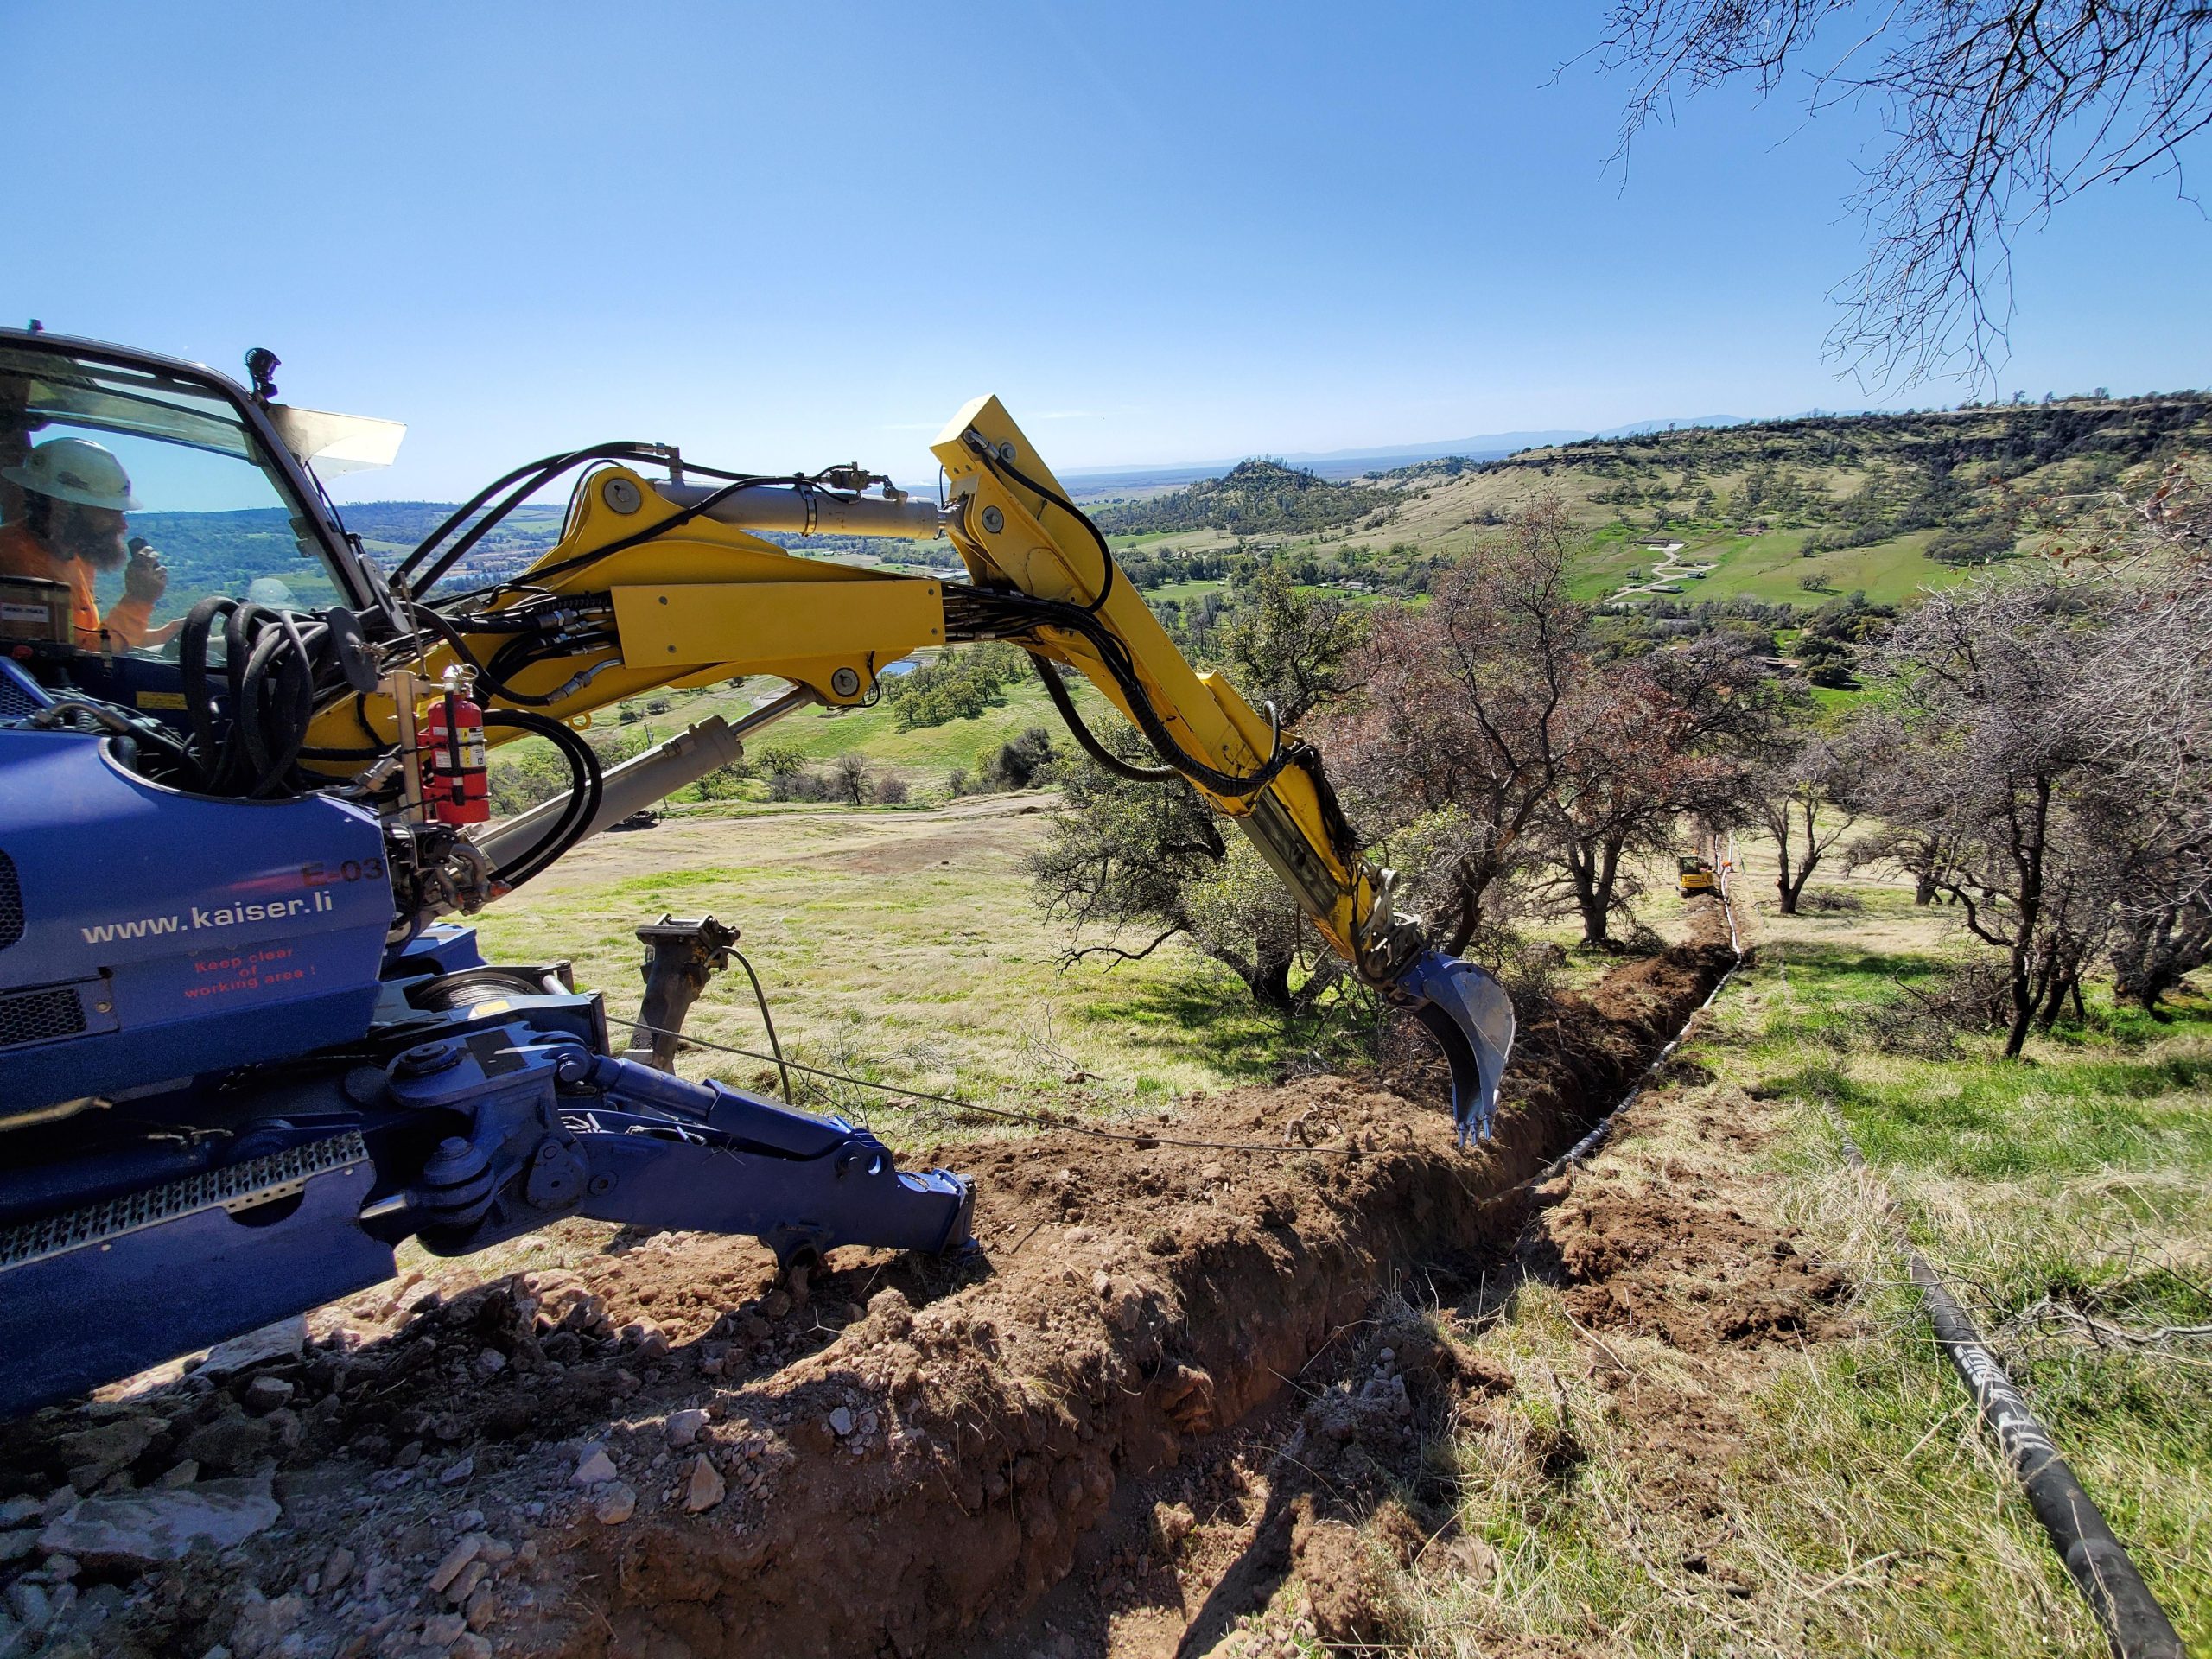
(241, 1060)
(226, 1096)
(157, 934)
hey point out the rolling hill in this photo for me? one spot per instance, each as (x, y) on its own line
(1779, 511)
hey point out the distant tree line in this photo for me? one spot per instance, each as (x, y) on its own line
(1253, 498)
(2035, 751)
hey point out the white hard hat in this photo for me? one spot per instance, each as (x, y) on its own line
(76, 469)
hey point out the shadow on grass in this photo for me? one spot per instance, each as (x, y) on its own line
(1209, 1014)
(1844, 960)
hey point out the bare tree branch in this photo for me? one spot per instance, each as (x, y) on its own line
(1997, 111)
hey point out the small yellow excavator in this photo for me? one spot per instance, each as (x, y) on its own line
(247, 1045)
(1694, 875)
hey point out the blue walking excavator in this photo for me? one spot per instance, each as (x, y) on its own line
(248, 1044)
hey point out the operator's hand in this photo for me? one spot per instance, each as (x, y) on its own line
(145, 577)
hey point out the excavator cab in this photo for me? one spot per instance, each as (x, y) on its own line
(1694, 875)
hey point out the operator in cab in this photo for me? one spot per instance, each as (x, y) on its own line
(72, 531)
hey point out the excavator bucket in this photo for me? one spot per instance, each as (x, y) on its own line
(1469, 1013)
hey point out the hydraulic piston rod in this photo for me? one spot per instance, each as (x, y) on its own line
(813, 512)
(641, 780)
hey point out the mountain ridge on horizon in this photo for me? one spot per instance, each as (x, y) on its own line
(1484, 445)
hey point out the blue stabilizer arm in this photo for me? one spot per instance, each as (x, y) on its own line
(1467, 1011)
(664, 1152)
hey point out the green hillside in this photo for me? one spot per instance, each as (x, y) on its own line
(924, 756)
(1781, 512)
(1253, 498)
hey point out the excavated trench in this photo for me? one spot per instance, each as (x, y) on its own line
(661, 1453)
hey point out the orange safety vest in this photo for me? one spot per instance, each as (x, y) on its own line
(22, 553)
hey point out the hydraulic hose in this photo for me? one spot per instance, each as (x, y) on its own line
(583, 794)
(247, 742)
(1058, 691)
(990, 614)
(998, 464)
(2098, 1562)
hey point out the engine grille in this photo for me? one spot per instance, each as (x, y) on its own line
(40, 1016)
(11, 903)
(15, 703)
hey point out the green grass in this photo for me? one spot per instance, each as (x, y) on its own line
(1855, 1507)
(2078, 1180)
(1833, 702)
(924, 755)
(822, 735)
(904, 947)
(1181, 591)
(1770, 567)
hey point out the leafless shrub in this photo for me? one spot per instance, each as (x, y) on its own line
(1805, 807)
(1534, 973)
(1968, 997)
(850, 779)
(1833, 901)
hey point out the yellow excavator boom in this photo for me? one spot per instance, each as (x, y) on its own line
(657, 583)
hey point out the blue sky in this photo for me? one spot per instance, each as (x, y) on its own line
(784, 236)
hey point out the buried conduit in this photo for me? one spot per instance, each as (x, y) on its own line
(2101, 1569)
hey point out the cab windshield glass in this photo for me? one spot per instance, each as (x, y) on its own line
(142, 493)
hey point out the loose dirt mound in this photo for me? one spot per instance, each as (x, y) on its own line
(662, 1452)
(1697, 1276)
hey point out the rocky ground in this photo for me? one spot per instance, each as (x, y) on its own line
(1073, 1440)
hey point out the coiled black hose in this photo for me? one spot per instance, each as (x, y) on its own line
(584, 794)
(1088, 739)
(273, 662)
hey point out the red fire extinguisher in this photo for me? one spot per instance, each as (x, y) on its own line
(458, 790)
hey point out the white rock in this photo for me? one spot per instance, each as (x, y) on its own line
(456, 1558)
(616, 1504)
(141, 1528)
(684, 1426)
(29, 1600)
(281, 1340)
(597, 1466)
(263, 1625)
(840, 1422)
(264, 1394)
(706, 1488)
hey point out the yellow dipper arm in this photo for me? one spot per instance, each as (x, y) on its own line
(1013, 535)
